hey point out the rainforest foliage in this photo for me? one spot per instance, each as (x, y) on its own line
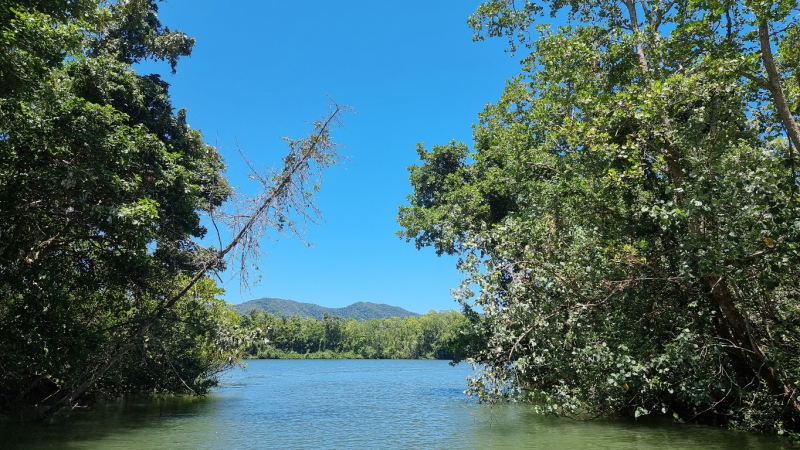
(435, 335)
(357, 310)
(629, 219)
(101, 185)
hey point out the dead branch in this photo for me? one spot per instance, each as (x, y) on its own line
(291, 190)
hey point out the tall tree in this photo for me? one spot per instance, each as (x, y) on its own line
(103, 286)
(629, 215)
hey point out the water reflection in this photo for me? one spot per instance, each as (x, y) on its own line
(350, 404)
(514, 427)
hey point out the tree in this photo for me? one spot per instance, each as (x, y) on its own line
(629, 218)
(104, 289)
(433, 335)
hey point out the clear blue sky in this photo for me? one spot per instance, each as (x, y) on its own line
(412, 73)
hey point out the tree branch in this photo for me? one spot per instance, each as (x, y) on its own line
(774, 85)
(318, 150)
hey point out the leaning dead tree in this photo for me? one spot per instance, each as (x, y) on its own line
(284, 205)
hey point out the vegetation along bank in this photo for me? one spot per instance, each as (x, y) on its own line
(629, 218)
(104, 288)
(435, 335)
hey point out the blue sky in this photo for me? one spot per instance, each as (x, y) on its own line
(261, 69)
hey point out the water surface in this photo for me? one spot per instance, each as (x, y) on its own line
(366, 404)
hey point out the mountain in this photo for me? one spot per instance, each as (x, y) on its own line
(358, 311)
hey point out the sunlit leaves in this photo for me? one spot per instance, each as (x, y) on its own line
(101, 183)
(633, 167)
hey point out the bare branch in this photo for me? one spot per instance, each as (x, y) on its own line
(301, 170)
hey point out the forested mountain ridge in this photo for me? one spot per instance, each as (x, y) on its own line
(358, 310)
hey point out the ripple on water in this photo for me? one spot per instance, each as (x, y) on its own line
(366, 404)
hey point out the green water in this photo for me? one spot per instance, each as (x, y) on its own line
(363, 404)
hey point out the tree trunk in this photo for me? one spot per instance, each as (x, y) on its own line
(774, 84)
(287, 177)
(747, 349)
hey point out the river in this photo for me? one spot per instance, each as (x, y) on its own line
(347, 404)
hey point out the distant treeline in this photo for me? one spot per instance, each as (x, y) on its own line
(431, 336)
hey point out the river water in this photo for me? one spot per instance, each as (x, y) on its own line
(344, 404)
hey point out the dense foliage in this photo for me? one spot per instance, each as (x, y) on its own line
(101, 182)
(435, 335)
(629, 219)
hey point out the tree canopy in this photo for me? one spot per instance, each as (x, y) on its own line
(101, 182)
(104, 288)
(435, 335)
(628, 221)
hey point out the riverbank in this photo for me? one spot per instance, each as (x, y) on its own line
(434, 335)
